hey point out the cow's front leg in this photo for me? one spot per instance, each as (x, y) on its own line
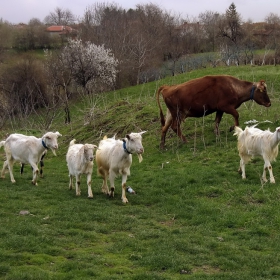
(234, 113)
(219, 115)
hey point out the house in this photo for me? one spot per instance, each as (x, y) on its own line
(62, 31)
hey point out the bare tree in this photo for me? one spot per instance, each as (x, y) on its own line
(59, 80)
(60, 17)
(23, 86)
(209, 20)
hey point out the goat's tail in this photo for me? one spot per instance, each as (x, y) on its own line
(2, 143)
(162, 119)
(237, 131)
(72, 142)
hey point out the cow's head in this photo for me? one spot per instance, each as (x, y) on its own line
(260, 94)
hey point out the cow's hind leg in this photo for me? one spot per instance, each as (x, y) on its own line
(176, 127)
(165, 128)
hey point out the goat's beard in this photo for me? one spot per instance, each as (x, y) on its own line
(140, 158)
(53, 151)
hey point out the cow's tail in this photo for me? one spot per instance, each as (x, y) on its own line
(162, 119)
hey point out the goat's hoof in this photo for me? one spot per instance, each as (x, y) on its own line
(124, 200)
(90, 197)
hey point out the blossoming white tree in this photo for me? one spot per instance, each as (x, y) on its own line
(90, 65)
(85, 65)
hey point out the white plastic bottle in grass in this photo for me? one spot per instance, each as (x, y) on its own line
(130, 190)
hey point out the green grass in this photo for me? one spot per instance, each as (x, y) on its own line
(193, 217)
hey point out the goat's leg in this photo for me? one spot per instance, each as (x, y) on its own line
(70, 182)
(10, 163)
(242, 168)
(78, 183)
(5, 165)
(124, 178)
(112, 177)
(104, 175)
(35, 173)
(268, 166)
(90, 195)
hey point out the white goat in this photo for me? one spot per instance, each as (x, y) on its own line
(114, 157)
(27, 150)
(80, 161)
(256, 142)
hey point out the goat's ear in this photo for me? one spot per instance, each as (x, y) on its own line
(278, 129)
(142, 132)
(58, 134)
(127, 136)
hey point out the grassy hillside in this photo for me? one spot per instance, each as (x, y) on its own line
(193, 217)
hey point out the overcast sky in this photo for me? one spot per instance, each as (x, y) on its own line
(16, 11)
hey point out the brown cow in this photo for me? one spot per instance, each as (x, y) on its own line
(203, 96)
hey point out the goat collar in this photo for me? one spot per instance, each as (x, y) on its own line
(252, 92)
(44, 144)
(124, 147)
